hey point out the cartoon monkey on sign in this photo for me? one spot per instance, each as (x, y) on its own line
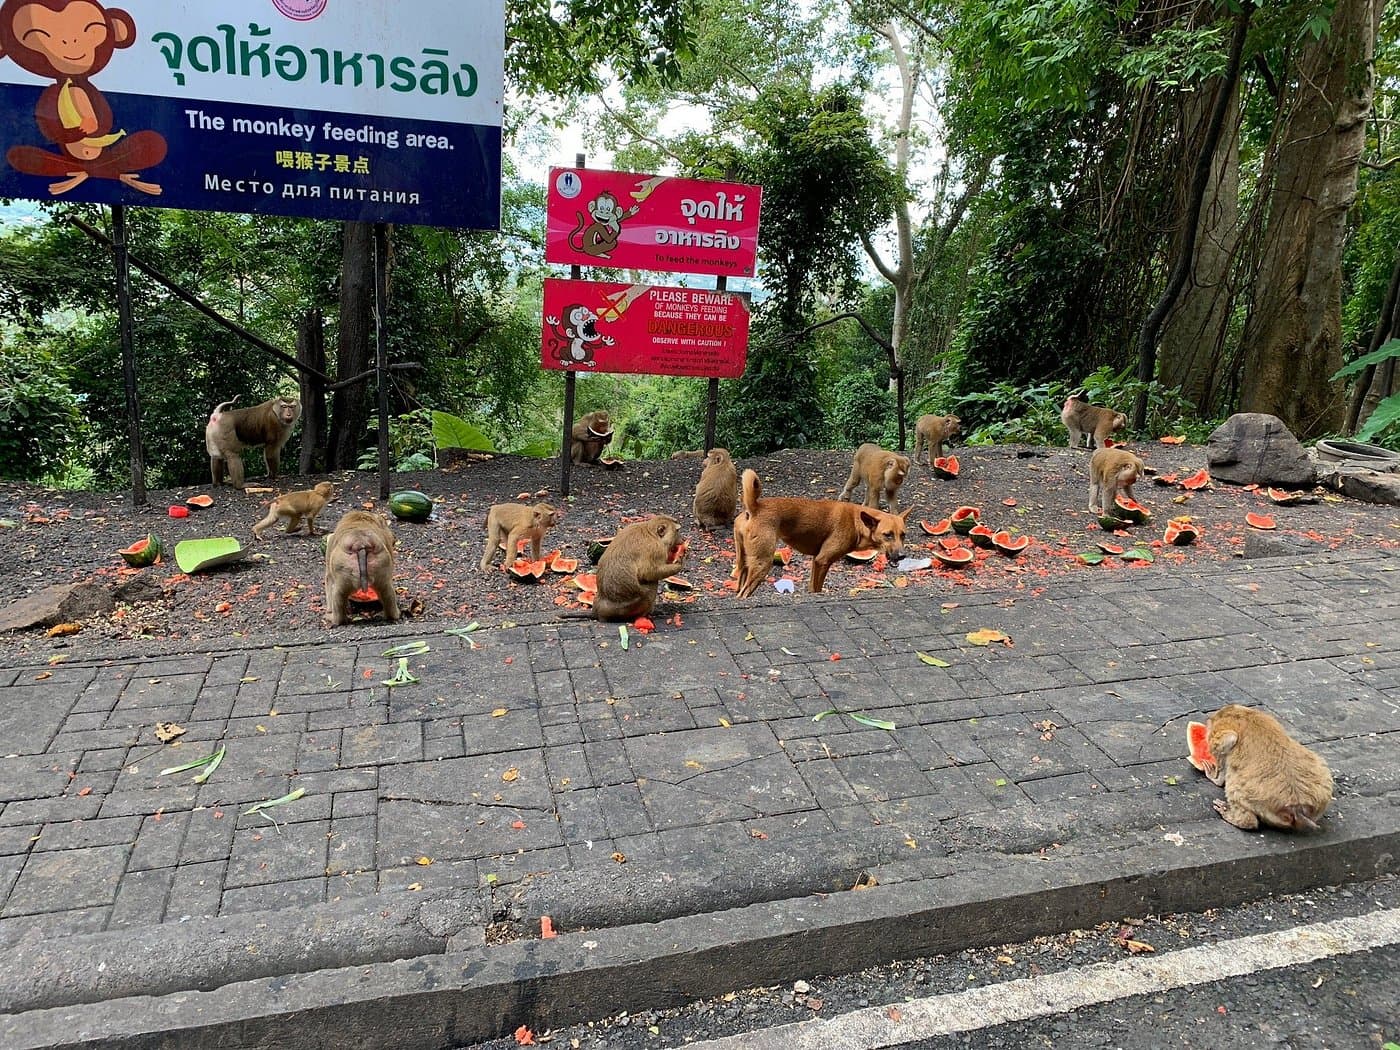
(599, 237)
(574, 339)
(69, 42)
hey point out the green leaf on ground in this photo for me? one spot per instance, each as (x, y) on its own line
(215, 757)
(402, 676)
(932, 661)
(407, 649)
(290, 796)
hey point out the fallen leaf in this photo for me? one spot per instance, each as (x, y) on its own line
(986, 636)
(424, 861)
(168, 731)
(510, 775)
(932, 661)
(85, 792)
(499, 712)
(58, 630)
(620, 858)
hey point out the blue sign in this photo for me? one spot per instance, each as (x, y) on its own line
(308, 110)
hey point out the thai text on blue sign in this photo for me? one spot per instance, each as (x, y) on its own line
(317, 108)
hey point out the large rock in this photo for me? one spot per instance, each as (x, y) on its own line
(1372, 486)
(60, 603)
(1253, 448)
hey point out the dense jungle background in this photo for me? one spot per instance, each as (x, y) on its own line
(1189, 207)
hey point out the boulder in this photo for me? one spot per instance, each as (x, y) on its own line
(1256, 448)
(61, 603)
(1279, 545)
(1372, 486)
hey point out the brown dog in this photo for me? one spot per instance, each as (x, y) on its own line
(825, 529)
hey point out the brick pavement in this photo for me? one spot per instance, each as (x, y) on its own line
(696, 742)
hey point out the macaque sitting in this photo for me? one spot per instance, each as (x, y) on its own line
(306, 503)
(509, 523)
(639, 557)
(882, 472)
(1095, 422)
(1112, 472)
(929, 434)
(232, 430)
(1268, 776)
(359, 555)
(716, 492)
(589, 436)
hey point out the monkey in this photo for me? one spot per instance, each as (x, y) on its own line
(1095, 422)
(1112, 471)
(1267, 775)
(294, 506)
(639, 557)
(509, 523)
(69, 42)
(929, 434)
(599, 237)
(716, 492)
(588, 437)
(359, 554)
(574, 340)
(882, 472)
(231, 430)
(688, 453)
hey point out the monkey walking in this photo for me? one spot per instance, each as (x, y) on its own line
(1112, 471)
(882, 473)
(359, 555)
(639, 557)
(1094, 422)
(230, 431)
(306, 503)
(509, 523)
(1268, 776)
(929, 434)
(590, 434)
(716, 492)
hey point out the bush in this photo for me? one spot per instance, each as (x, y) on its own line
(862, 409)
(39, 417)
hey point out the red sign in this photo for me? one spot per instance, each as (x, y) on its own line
(651, 222)
(646, 329)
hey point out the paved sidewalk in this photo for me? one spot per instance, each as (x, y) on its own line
(543, 769)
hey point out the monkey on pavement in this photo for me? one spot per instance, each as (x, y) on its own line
(359, 554)
(639, 557)
(1268, 776)
(882, 472)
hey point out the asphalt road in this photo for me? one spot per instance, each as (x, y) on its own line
(1318, 971)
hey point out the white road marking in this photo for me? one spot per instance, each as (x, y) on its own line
(1057, 993)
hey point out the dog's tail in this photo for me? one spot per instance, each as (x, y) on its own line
(751, 491)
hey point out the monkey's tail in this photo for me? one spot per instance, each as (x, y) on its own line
(1302, 817)
(363, 555)
(576, 241)
(223, 406)
(752, 491)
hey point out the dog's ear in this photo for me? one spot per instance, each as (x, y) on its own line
(868, 519)
(905, 516)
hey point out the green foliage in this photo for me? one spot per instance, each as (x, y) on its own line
(565, 47)
(1030, 414)
(1383, 424)
(39, 418)
(863, 409)
(411, 440)
(449, 431)
(774, 404)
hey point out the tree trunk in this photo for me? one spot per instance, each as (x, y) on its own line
(311, 351)
(350, 407)
(1193, 339)
(1293, 334)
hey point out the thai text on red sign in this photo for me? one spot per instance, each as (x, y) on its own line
(651, 222)
(643, 329)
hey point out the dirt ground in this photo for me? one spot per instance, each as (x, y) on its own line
(49, 537)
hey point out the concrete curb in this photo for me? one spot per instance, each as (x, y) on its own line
(461, 997)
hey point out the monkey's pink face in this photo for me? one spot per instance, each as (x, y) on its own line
(287, 411)
(70, 39)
